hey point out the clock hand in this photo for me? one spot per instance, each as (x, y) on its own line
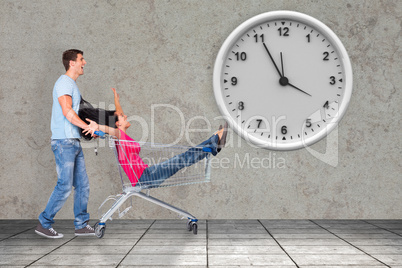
(266, 48)
(298, 89)
(284, 81)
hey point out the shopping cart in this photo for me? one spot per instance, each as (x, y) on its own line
(151, 154)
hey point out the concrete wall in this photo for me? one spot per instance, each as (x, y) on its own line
(163, 52)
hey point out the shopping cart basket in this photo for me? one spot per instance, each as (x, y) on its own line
(151, 154)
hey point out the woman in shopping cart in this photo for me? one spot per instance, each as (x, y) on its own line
(116, 125)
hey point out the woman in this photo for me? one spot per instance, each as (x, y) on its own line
(128, 150)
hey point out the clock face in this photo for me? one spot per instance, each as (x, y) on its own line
(283, 80)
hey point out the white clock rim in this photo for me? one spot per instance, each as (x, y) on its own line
(287, 15)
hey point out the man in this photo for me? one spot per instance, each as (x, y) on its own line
(70, 163)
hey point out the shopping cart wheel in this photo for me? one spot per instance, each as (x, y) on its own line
(189, 225)
(195, 228)
(99, 229)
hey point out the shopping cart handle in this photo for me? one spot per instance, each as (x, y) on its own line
(101, 134)
(207, 149)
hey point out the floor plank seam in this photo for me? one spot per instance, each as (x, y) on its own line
(146, 231)
(356, 247)
(51, 251)
(278, 244)
(206, 226)
(382, 228)
(31, 228)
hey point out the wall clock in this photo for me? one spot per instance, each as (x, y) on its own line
(283, 80)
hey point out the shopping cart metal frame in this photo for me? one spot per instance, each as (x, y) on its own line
(130, 191)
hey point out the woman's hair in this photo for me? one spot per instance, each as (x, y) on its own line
(100, 116)
(70, 54)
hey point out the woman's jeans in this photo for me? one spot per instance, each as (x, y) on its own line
(70, 165)
(155, 175)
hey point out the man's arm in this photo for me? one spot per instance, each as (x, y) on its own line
(66, 103)
(109, 130)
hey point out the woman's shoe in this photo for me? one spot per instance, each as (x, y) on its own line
(222, 140)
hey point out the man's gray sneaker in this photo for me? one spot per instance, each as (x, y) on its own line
(86, 231)
(48, 233)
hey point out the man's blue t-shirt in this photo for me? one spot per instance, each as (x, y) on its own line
(60, 126)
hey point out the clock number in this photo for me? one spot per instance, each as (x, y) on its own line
(326, 55)
(241, 105)
(308, 38)
(285, 31)
(259, 123)
(241, 56)
(284, 130)
(234, 81)
(261, 37)
(326, 105)
(332, 78)
(308, 122)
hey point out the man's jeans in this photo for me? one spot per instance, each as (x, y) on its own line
(70, 165)
(155, 175)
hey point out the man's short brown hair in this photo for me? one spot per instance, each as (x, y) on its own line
(70, 54)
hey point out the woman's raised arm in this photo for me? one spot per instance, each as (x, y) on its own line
(119, 110)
